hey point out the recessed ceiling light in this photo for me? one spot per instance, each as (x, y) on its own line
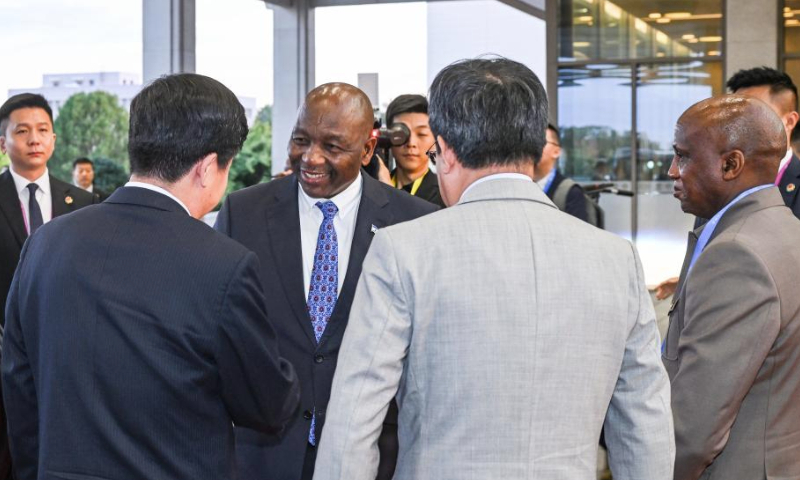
(655, 15)
(711, 39)
(678, 15)
(663, 20)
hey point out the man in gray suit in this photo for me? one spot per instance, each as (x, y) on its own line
(506, 357)
(733, 346)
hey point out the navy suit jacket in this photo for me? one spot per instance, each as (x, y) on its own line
(576, 202)
(265, 219)
(135, 336)
(790, 183)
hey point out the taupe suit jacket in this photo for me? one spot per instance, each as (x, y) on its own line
(733, 348)
(510, 332)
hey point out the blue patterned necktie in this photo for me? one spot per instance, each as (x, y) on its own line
(324, 287)
(34, 212)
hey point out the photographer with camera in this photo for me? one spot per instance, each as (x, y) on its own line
(412, 172)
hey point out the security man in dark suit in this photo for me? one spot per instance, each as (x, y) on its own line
(547, 175)
(136, 336)
(29, 196)
(311, 231)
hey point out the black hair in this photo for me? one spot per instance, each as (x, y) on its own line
(777, 81)
(82, 160)
(406, 104)
(491, 111)
(553, 129)
(179, 119)
(23, 100)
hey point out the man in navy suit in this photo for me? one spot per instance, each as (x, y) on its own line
(136, 336)
(27, 137)
(311, 231)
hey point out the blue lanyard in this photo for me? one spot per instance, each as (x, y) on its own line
(549, 182)
(708, 230)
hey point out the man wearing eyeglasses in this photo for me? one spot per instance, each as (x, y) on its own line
(568, 196)
(505, 355)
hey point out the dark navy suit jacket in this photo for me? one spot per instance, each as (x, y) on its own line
(265, 219)
(135, 337)
(789, 185)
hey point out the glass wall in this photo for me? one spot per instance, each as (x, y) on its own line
(790, 22)
(627, 70)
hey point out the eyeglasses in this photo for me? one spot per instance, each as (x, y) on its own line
(433, 152)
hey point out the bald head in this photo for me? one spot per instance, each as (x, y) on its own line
(724, 146)
(331, 139)
(346, 99)
(736, 122)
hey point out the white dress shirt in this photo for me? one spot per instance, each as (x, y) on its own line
(497, 176)
(344, 223)
(155, 188)
(43, 196)
(785, 159)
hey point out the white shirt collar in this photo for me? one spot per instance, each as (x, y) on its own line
(156, 188)
(497, 176)
(22, 183)
(346, 201)
(786, 159)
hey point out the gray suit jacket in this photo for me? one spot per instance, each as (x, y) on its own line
(510, 333)
(733, 347)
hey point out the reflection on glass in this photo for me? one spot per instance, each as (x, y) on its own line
(594, 112)
(663, 93)
(622, 29)
(792, 68)
(791, 26)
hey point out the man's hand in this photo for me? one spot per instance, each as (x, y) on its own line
(666, 288)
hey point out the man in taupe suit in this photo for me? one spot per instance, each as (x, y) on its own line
(506, 357)
(733, 346)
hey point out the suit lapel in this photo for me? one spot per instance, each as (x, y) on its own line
(691, 243)
(283, 230)
(59, 196)
(790, 177)
(10, 207)
(371, 212)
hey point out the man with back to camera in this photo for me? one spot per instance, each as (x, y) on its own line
(546, 174)
(779, 92)
(731, 350)
(515, 363)
(83, 176)
(26, 135)
(136, 335)
(412, 173)
(311, 231)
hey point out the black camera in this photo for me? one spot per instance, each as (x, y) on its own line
(393, 136)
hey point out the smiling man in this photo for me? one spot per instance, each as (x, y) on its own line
(311, 231)
(734, 333)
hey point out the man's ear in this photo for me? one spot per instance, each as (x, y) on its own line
(3, 143)
(205, 168)
(369, 149)
(446, 158)
(732, 165)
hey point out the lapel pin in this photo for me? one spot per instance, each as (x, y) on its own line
(373, 229)
(790, 188)
(68, 200)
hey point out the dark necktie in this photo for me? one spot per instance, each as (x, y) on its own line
(34, 212)
(324, 286)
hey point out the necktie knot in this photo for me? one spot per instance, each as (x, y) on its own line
(329, 209)
(32, 187)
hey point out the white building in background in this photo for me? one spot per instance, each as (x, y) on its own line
(58, 87)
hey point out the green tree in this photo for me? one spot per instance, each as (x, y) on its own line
(254, 163)
(4, 160)
(90, 125)
(109, 175)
